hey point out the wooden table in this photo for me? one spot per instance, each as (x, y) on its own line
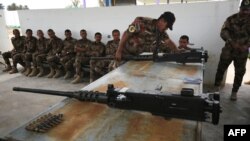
(85, 121)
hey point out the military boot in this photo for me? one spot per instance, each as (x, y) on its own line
(67, 75)
(41, 72)
(13, 70)
(58, 73)
(8, 68)
(233, 96)
(247, 83)
(28, 71)
(23, 65)
(34, 72)
(23, 70)
(52, 73)
(76, 80)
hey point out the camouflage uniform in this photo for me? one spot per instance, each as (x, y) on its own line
(101, 67)
(142, 37)
(39, 56)
(82, 58)
(164, 48)
(97, 49)
(67, 57)
(16, 54)
(236, 33)
(142, 34)
(55, 47)
(30, 48)
(184, 48)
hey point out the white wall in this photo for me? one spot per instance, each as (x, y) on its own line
(201, 21)
(11, 18)
(5, 44)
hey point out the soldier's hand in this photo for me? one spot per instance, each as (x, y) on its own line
(118, 56)
(235, 45)
(175, 50)
(76, 49)
(180, 50)
(58, 54)
(243, 48)
(94, 54)
(239, 46)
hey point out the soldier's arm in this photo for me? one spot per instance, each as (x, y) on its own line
(225, 32)
(133, 28)
(72, 50)
(48, 45)
(248, 31)
(107, 48)
(23, 44)
(60, 46)
(121, 46)
(171, 45)
(13, 43)
(79, 49)
(34, 45)
(103, 50)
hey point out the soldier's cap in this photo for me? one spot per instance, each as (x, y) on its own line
(245, 4)
(169, 18)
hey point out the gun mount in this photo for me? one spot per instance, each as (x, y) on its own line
(185, 105)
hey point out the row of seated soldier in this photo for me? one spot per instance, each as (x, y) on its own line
(66, 57)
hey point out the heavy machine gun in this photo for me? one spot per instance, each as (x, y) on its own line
(205, 107)
(187, 56)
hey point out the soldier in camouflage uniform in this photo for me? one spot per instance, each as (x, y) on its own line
(40, 55)
(141, 36)
(183, 43)
(83, 52)
(99, 68)
(30, 48)
(16, 53)
(67, 57)
(236, 33)
(97, 47)
(55, 47)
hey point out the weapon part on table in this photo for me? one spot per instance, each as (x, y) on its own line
(188, 56)
(185, 105)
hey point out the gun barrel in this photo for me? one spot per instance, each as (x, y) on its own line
(127, 58)
(47, 92)
(80, 95)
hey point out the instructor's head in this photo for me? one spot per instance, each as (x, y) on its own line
(165, 21)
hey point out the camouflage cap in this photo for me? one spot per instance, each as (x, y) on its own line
(245, 4)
